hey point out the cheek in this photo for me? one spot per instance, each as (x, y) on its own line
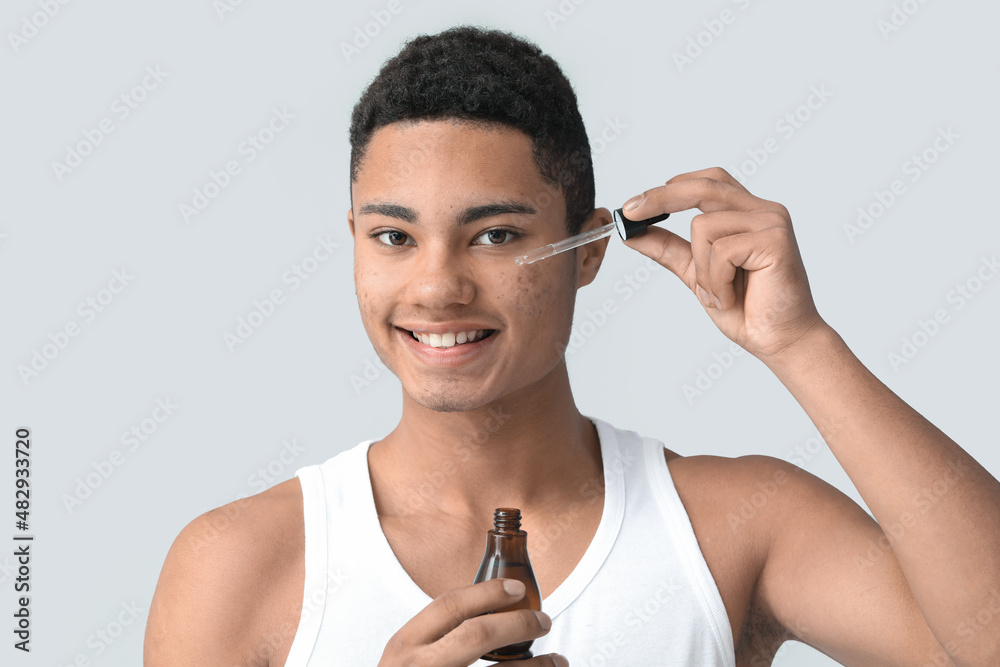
(366, 287)
(542, 297)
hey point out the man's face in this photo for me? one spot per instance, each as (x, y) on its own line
(440, 209)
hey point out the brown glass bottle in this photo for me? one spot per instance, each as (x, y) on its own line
(507, 557)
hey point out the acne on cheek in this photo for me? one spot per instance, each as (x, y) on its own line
(532, 301)
(524, 291)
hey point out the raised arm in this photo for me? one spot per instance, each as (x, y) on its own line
(938, 508)
(936, 548)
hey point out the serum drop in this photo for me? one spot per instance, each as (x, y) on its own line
(507, 557)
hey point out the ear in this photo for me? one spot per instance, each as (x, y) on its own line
(350, 220)
(590, 255)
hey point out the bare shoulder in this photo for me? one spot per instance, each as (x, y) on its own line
(230, 588)
(737, 490)
(796, 558)
(734, 505)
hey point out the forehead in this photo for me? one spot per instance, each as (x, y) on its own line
(460, 153)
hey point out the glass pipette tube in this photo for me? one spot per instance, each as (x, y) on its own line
(565, 244)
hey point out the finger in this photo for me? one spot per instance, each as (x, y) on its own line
(482, 634)
(751, 251)
(548, 660)
(706, 230)
(452, 608)
(727, 254)
(716, 173)
(668, 250)
(701, 252)
(706, 194)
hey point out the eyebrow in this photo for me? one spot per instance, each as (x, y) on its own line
(465, 217)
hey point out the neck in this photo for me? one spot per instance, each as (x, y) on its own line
(529, 449)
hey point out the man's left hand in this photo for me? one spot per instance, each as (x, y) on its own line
(742, 261)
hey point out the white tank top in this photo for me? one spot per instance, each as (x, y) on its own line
(642, 595)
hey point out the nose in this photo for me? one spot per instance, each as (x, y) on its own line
(441, 279)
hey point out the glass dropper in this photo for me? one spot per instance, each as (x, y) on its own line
(627, 229)
(565, 244)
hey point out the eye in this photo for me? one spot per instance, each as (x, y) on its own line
(498, 235)
(493, 237)
(395, 237)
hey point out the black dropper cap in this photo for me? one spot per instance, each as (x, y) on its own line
(628, 229)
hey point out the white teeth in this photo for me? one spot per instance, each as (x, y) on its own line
(450, 339)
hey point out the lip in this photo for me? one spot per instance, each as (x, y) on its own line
(448, 357)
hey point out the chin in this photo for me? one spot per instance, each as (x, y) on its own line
(454, 400)
(439, 403)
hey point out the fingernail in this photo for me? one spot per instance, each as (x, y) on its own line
(513, 586)
(634, 201)
(703, 297)
(543, 620)
(718, 304)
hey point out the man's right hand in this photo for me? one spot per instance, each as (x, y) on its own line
(454, 630)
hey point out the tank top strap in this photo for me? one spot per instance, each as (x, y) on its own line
(652, 479)
(316, 555)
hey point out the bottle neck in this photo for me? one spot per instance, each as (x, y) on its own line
(507, 521)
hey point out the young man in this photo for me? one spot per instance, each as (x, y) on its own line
(468, 150)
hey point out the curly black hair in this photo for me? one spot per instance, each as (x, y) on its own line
(490, 76)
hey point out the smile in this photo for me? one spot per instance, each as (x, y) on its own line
(451, 339)
(443, 350)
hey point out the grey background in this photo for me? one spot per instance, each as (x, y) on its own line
(162, 336)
